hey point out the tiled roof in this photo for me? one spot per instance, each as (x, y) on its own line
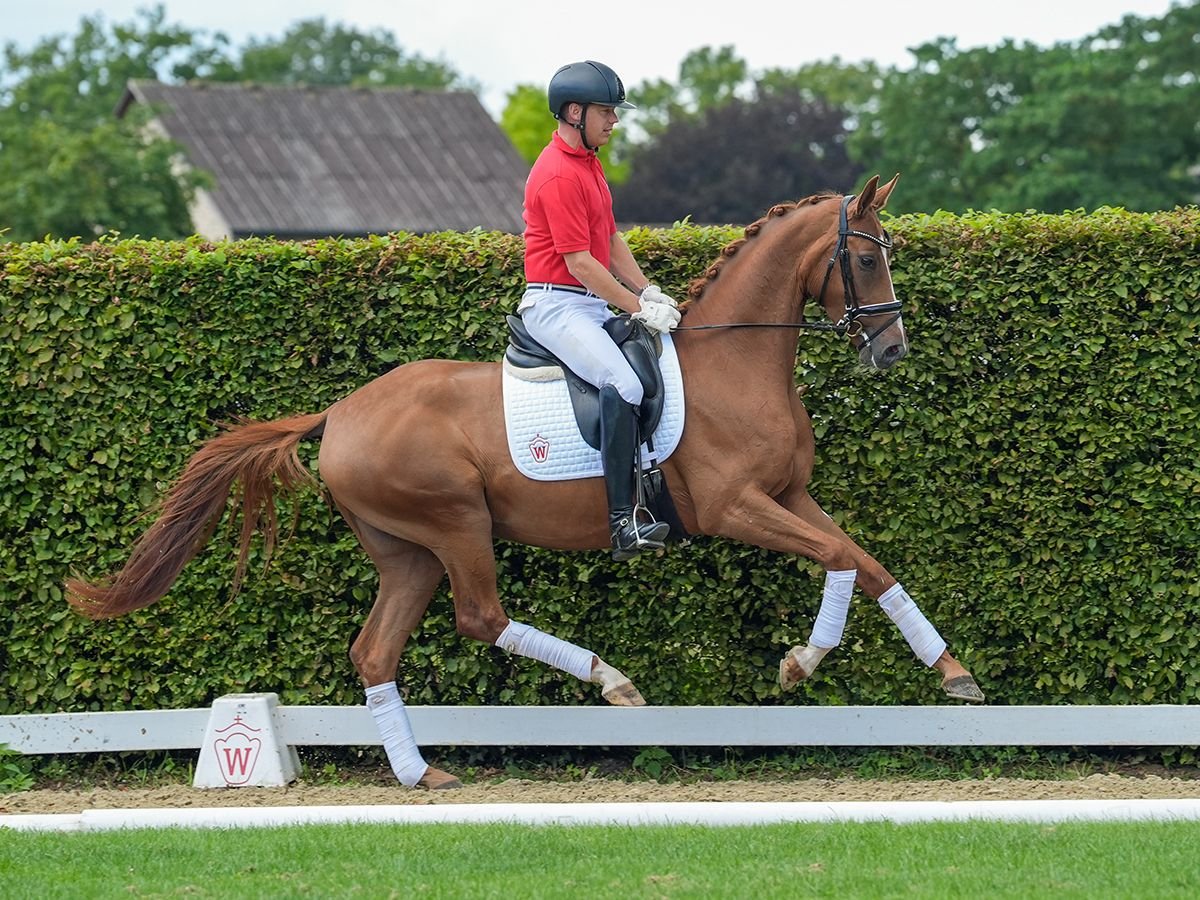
(309, 161)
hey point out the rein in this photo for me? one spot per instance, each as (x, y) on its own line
(811, 326)
(849, 324)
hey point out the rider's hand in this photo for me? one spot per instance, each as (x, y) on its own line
(651, 293)
(657, 316)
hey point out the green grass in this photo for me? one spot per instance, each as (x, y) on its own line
(1110, 860)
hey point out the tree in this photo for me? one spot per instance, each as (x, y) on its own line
(526, 120)
(931, 117)
(1109, 120)
(91, 181)
(314, 52)
(712, 79)
(852, 86)
(67, 167)
(708, 78)
(737, 159)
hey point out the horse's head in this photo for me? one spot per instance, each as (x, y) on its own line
(866, 305)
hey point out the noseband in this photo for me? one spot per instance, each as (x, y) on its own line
(849, 324)
(855, 310)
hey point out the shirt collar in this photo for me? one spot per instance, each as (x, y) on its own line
(566, 148)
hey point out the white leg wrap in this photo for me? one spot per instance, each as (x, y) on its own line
(525, 640)
(383, 700)
(921, 636)
(835, 606)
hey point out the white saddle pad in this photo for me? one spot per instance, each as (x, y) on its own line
(544, 439)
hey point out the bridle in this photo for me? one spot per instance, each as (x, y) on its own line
(849, 324)
(854, 309)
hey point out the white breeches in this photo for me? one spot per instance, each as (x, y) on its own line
(571, 327)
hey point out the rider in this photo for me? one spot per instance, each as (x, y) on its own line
(576, 264)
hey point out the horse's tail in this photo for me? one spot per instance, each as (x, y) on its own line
(254, 455)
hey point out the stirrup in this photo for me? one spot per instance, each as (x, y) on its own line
(629, 538)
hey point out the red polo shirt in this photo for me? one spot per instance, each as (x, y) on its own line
(568, 207)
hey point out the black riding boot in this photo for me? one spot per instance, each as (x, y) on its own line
(618, 448)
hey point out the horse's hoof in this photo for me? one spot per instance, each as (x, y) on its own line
(963, 687)
(799, 664)
(437, 780)
(790, 673)
(623, 694)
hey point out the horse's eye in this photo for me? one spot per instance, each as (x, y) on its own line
(867, 262)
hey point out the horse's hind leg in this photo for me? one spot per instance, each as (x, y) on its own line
(408, 576)
(471, 562)
(878, 583)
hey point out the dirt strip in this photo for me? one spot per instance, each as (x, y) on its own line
(599, 790)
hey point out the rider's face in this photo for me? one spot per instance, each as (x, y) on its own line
(598, 124)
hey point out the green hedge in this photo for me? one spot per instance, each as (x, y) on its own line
(1029, 472)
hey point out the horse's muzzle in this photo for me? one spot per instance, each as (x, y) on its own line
(884, 348)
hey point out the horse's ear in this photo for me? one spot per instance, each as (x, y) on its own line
(881, 195)
(865, 200)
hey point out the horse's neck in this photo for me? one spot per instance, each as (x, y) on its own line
(763, 282)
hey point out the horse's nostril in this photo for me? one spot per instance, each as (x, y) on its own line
(892, 351)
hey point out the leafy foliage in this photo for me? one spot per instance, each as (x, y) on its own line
(852, 86)
(318, 53)
(14, 771)
(527, 121)
(1028, 473)
(708, 79)
(738, 159)
(1109, 120)
(67, 167)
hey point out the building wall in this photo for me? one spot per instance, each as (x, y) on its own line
(207, 220)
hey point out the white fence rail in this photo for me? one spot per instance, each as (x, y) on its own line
(650, 726)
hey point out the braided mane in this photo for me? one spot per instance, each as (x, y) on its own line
(696, 288)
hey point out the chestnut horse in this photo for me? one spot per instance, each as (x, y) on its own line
(417, 463)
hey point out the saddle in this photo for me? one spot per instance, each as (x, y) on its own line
(641, 349)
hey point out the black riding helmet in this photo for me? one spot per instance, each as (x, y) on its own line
(586, 82)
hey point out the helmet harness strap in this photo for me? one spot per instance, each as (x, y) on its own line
(581, 127)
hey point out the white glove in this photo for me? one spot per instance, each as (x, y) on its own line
(651, 293)
(657, 316)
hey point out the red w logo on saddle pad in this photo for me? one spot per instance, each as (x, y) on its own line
(539, 449)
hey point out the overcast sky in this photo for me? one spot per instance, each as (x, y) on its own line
(501, 44)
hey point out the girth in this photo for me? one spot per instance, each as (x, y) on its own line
(641, 349)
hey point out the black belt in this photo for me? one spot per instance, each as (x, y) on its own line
(569, 288)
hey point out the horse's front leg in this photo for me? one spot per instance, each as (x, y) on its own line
(878, 583)
(756, 518)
